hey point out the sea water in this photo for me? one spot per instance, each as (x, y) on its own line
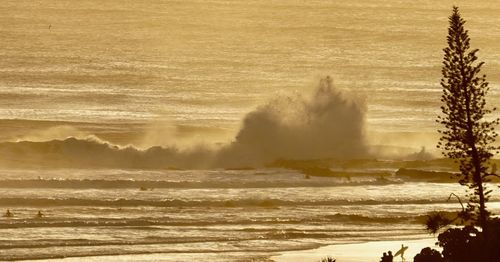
(220, 214)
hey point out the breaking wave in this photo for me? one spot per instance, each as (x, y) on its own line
(158, 184)
(329, 124)
(17, 201)
(154, 224)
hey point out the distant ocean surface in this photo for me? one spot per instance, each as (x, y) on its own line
(224, 215)
(205, 64)
(180, 74)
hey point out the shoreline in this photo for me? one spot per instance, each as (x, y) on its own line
(364, 251)
(354, 252)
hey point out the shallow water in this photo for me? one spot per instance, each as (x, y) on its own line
(251, 213)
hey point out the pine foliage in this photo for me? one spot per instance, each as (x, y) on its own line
(467, 136)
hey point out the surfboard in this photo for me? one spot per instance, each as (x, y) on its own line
(401, 251)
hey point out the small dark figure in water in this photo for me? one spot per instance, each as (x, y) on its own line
(8, 213)
(39, 214)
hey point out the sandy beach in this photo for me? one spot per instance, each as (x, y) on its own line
(367, 251)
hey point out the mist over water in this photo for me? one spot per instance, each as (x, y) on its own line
(328, 124)
(325, 124)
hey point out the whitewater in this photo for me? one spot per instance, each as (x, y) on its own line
(225, 215)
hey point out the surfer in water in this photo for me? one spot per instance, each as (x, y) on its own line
(8, 213)
(39, 214)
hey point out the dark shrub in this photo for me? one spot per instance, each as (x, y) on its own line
(466, 244)
(428, 255)
(460, 244)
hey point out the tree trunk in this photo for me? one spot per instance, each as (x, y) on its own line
(478, 180)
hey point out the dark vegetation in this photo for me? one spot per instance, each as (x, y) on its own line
(428, 255)
(465, 244)
(468, 139)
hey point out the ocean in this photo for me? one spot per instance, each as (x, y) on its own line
(201, 66)
(148, 127)
(223, 215)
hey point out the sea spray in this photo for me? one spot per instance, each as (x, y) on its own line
(329, 124)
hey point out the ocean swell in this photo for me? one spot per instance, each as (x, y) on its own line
(269, 202)
(158, 184)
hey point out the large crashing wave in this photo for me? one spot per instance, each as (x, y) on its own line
(326, 125)
(92, 153)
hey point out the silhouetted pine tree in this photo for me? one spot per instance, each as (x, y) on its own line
(467, 136)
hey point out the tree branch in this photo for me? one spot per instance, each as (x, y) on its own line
(459, 200)
(491, 174)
